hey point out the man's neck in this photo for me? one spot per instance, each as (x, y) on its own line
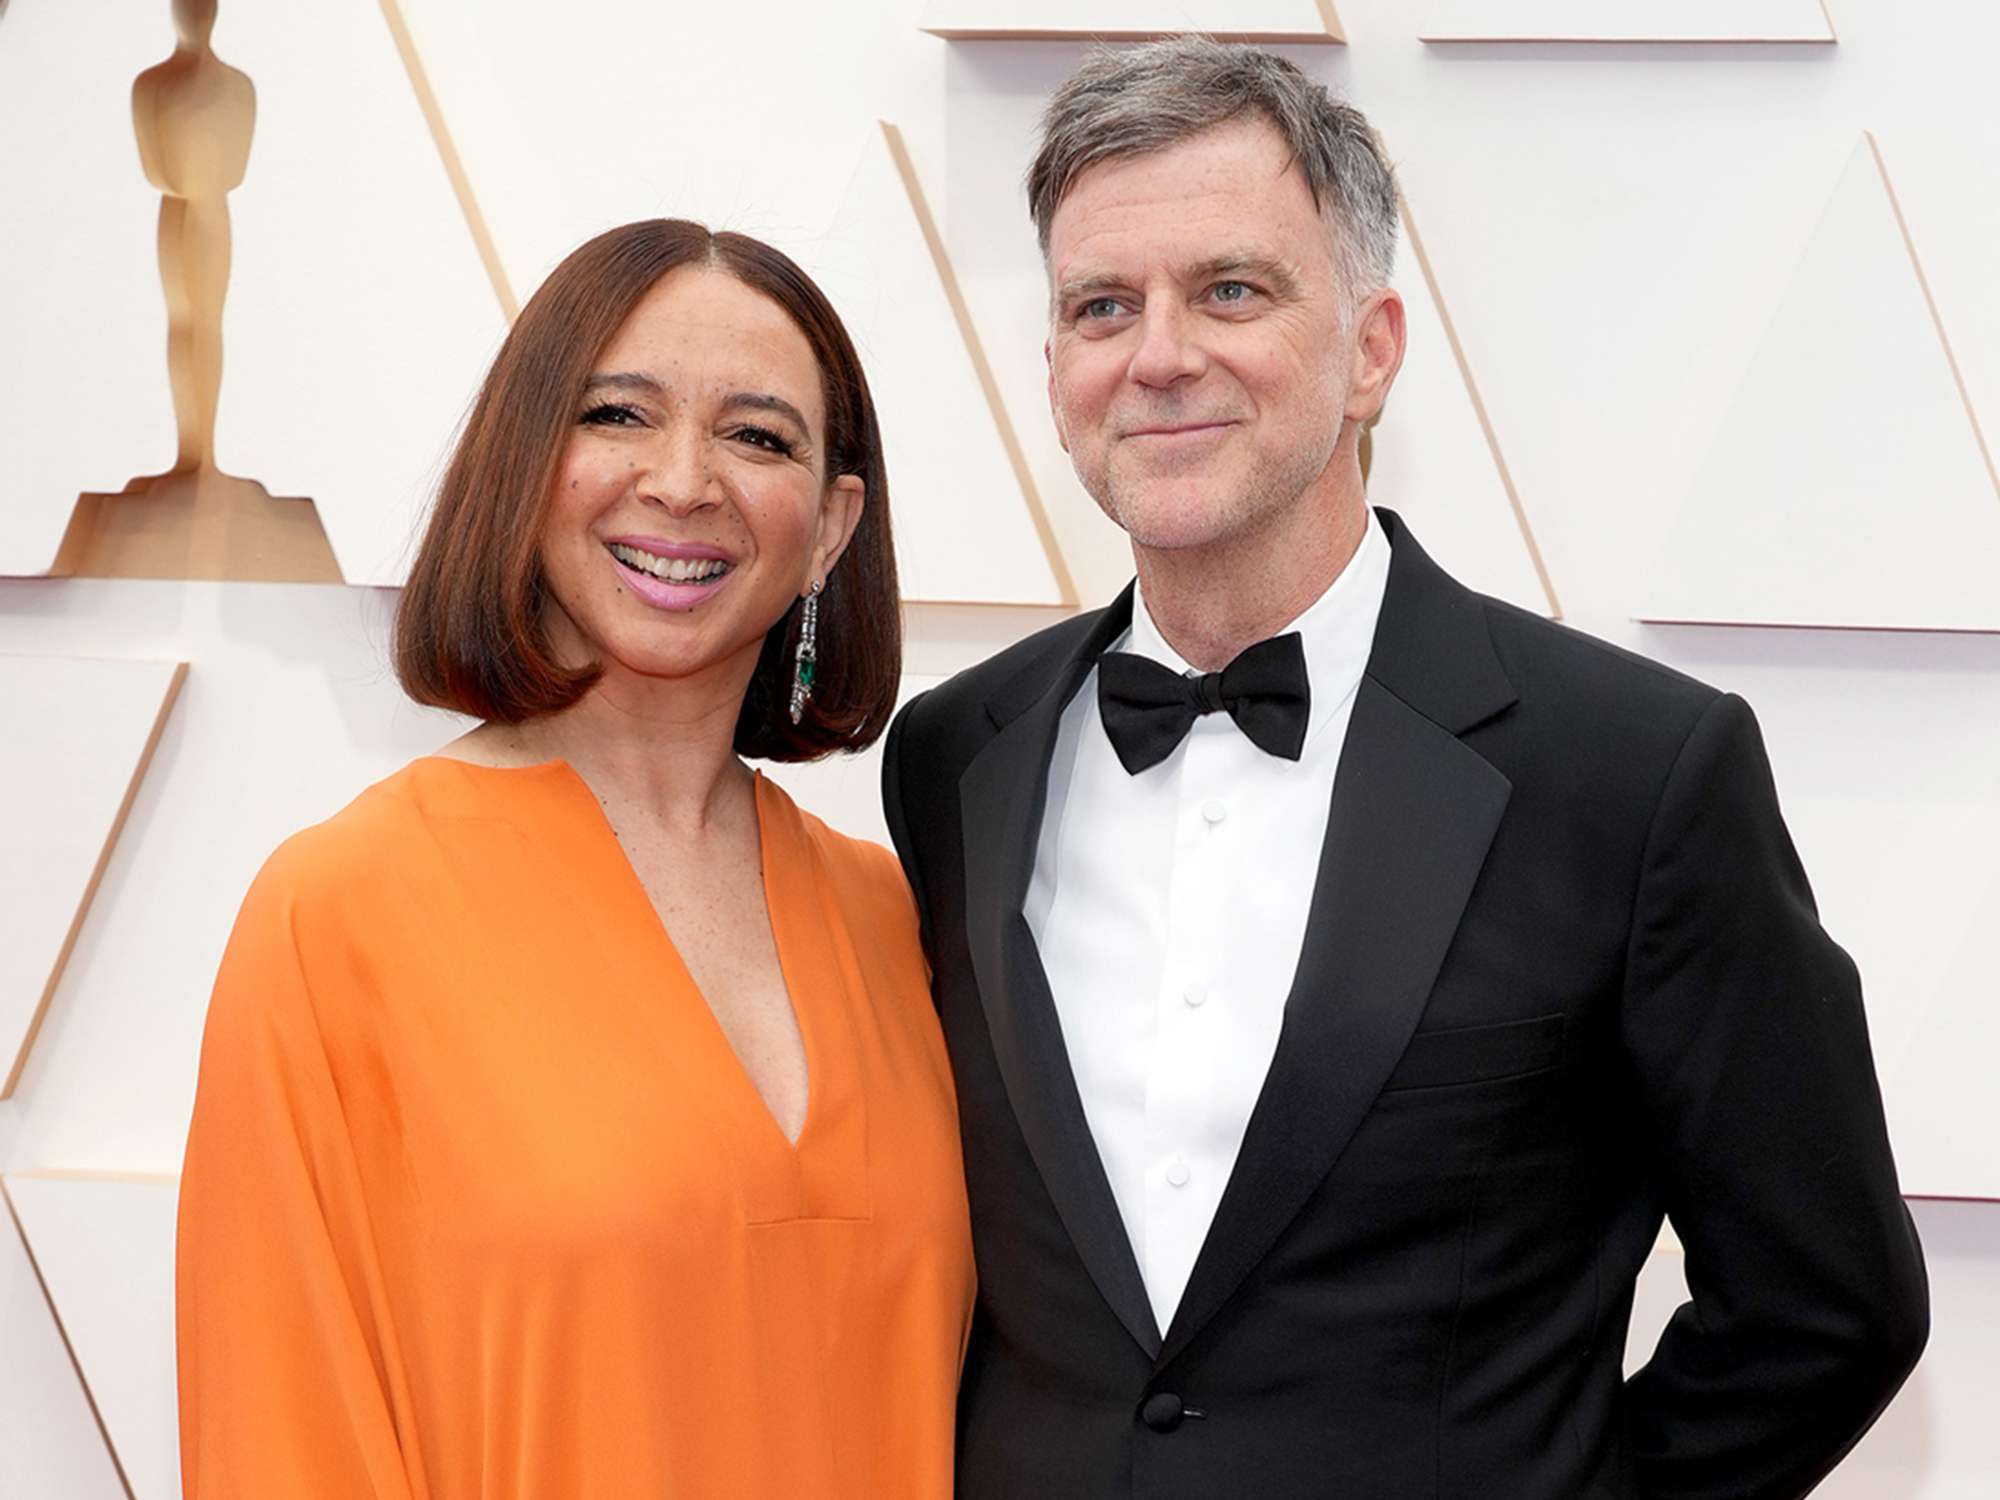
(1210, 603)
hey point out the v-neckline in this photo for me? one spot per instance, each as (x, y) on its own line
(743, 1086)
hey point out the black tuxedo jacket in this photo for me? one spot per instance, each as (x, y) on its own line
(1562, 974)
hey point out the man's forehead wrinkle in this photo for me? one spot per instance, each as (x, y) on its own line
(1099, 246)
(1216, 190)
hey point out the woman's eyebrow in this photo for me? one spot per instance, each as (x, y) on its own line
(765, 401)
(638, 380)
(627, 380)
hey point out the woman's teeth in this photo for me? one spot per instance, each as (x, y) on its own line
(672, 569)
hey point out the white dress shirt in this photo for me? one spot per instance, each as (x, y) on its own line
(1169, 909)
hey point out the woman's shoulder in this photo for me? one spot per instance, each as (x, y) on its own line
(377, 839)
(857, 866)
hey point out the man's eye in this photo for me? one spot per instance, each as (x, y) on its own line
(1099, 307)
(1232, 291)
(610, 414)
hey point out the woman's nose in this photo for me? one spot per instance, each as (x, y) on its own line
(677, 474)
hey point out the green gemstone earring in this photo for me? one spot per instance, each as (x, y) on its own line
(808, 660)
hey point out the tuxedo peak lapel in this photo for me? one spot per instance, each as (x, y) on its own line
(1413, 814)
(1432, 646)
(1070, 650)
(1001, 799)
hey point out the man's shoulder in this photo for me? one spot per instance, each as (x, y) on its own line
(1583, 682)
(1008, 680)
(1588, 660)
(1452, 650)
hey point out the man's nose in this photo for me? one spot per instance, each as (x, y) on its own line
(1167, 351)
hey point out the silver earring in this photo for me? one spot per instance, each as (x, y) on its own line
(802, 681)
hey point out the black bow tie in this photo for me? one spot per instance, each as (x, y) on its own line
(1148, 709)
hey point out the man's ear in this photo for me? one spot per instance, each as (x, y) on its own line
(839, 515)
(1055, 407)
(1381, 336)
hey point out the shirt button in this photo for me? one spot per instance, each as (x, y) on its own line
(1178, 1173)
(1214, 811)
(1195, 994)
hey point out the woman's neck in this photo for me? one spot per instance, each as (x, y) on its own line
(665, 750)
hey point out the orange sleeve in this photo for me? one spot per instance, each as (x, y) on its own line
(283, 1357)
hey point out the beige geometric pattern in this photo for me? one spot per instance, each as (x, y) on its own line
(1436, 459)
(1627, 21)
(1804, 512)
(454, 165)
(79, 737)
(1133, 20)
(970, 524)
(1945, 1044)
(104, 1245)
(346, 177)
(52, 1440)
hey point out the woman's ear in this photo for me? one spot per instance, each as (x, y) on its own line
(839, 515)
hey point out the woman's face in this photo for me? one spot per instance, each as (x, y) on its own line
(692, 503)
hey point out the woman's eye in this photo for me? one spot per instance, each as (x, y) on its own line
(763, 437)
(610, 414)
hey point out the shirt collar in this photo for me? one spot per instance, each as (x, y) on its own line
(1337, 629)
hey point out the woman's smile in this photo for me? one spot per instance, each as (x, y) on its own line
(669, 575)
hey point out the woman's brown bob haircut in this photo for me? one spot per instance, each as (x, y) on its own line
(469, 632)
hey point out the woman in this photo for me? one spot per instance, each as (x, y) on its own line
(573, 1120)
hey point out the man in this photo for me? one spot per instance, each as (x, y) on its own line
(1343, 972)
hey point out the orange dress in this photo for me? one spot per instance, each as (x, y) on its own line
(479, 1204)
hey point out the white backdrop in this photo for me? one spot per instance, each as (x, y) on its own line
(1613, 228)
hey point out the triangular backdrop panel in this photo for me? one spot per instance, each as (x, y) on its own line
(83, 321)
(965, 522)
(360, 316)
(63, 1454)
(1938, 1085)
(1227, 20)
(1950, 199)
(1437, 462)
(1627, 21)
(105, 1247)
(79, 736)
(1847, 485)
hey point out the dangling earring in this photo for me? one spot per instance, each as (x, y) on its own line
(802, 682)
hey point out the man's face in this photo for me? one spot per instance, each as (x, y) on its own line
(1199, 364)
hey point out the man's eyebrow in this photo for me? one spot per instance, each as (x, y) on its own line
(1241, 263)
(765, 401)
(1232, 263)
(1092, 284)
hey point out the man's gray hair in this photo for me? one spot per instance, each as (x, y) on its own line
(1129, 101)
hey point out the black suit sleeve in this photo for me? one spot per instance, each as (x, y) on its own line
(897, 813)
(1742, 1021)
